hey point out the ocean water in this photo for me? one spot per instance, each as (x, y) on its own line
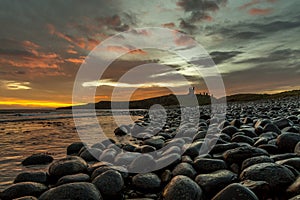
(26, 132)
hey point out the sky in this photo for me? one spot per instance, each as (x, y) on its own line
(254, 44)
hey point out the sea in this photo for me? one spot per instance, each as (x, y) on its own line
(27, 132)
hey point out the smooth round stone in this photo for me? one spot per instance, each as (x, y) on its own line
(225, 137)
(260, 141)
(78, 191)
(286, 142)
(242, 138)
(295, 198)
(255, 160)
(91, 154)
(92, 167)
(230, 130)
(250, 132)
(98, 146)
(247, 120)
(146, 182)
(184, 169)
(236, 122)
(166, 176)
(220, 148)
(193, 149)
(294, 162)
(238, 155)
(169, 161)
(67, 166)
(108, 155)
(291, 129)
(23, 189)
(294, 189)
(147, 149)
(109, 183)
(182, 188)
(186, 159)
(269, 135)
(235, 191)
(282, 123)
(262, 122)
(129, 147)
(143, 163)
(297, 149)
(125, 158)
(171, 149)
(270, 148)
(199, 135)
(27, 198)
(214, 182)
(165, 135)
(122, 130)
(260, 188)
(207, 165)
(122, 170)
(73, 178)
(38, 177)
(37, 159)
(276, 175)
(158, 143)
(271, 128)
(74, 148)
(283, 156)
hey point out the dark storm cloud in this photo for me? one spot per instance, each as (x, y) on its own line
(216, 57)
(261, 78)
(189, 27)
(278, 55)
(246, 35)
(220, 57)
(14, 52)
(198, 11)
(253, 30)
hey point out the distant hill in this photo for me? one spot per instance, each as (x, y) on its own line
(166, 101)
(255, 97)
(185, 100)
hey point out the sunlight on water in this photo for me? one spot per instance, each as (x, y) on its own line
(30, 132)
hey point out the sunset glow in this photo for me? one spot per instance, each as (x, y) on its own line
(254, 43)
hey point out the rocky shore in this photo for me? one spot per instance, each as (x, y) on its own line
(255, 154)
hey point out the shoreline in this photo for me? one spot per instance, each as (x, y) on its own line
(255, 137)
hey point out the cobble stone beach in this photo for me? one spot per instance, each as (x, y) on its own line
(255, 154)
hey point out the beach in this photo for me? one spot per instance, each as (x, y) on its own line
(254, 154)
(27, 132)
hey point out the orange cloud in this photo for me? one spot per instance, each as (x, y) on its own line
(246, 5)
(83, 43)
(121, 49)
(72, 51)
(76, 60)
(258, 11)
(183, 40)
(169, 25)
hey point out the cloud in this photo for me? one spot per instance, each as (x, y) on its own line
(168, 25)
(283, 55)
(189, 27)
(198, 11)
(27, 54)
(246, 35)
(14, 85)
(220, 57)
(123, 49)
(260, 11)
(79, 60)
(109, 82)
